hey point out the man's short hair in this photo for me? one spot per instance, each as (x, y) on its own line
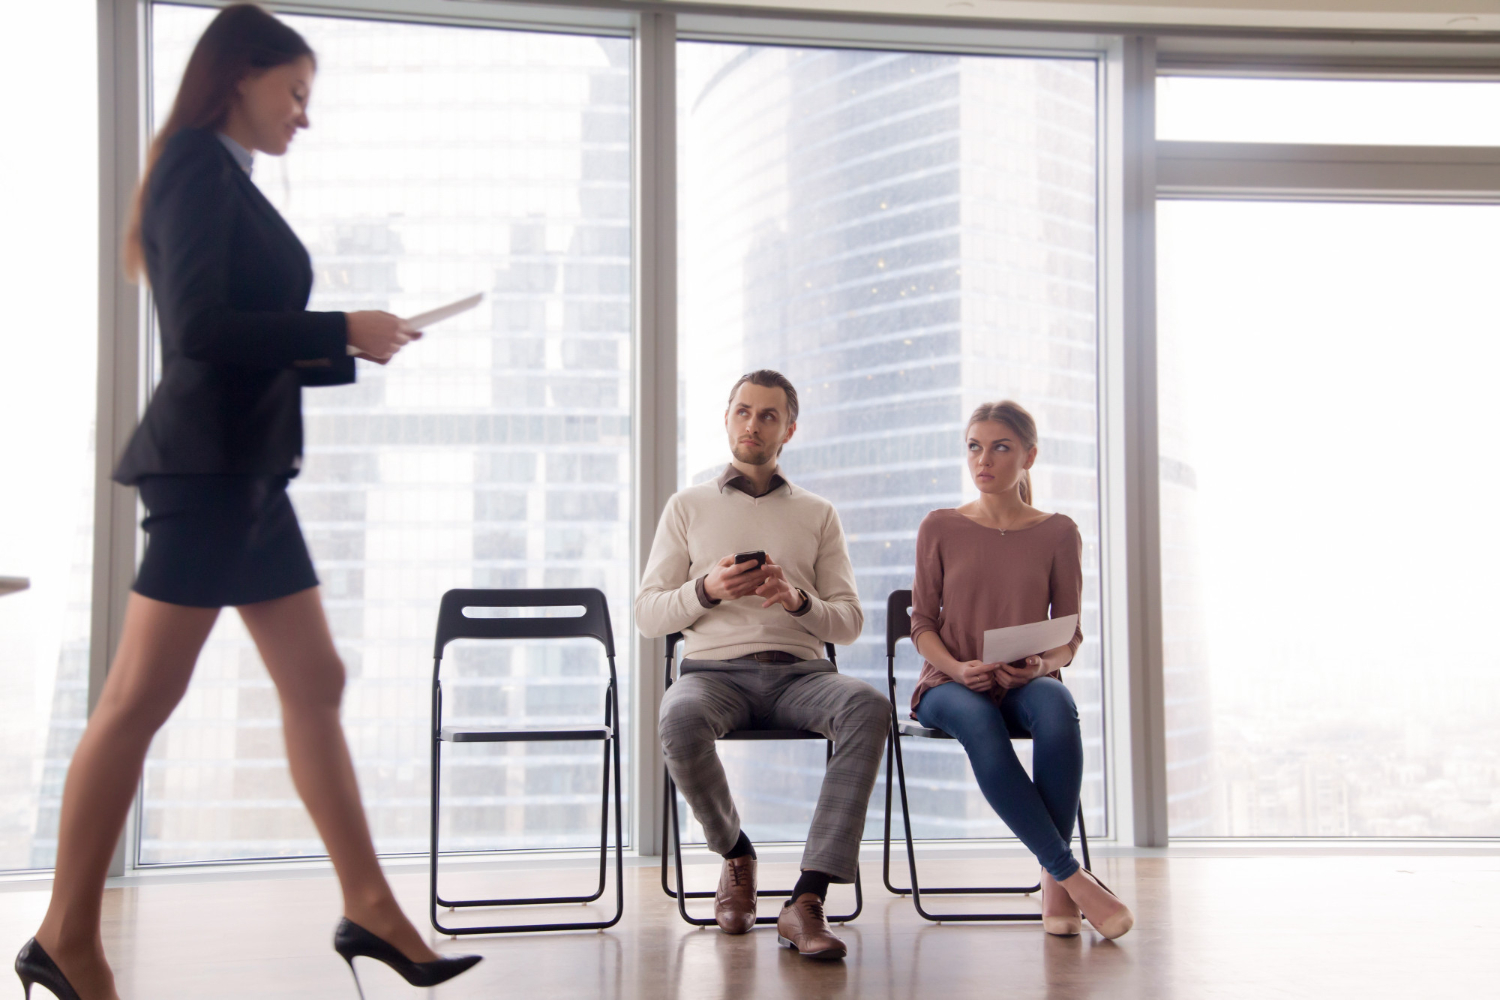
(769, 379)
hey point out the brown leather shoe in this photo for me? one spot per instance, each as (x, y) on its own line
(803, 928)
(734, 902)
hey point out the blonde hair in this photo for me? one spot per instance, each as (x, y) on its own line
(1014, 416)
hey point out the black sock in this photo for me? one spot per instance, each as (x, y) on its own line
(813, 882)
(741, 848)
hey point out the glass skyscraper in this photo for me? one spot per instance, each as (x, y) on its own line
(903, 235)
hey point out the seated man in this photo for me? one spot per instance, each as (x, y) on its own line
(755, 659)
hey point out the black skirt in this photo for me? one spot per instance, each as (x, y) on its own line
(221, 541)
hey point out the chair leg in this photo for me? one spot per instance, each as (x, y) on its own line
(916, 889)
(1083, 840)
(619, 828)
(611, 758)
(890, 778)
(604, 826)
(682, 894)
(666, 815)
(432, 839)
(671, 833)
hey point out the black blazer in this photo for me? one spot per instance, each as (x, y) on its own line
(231, 282)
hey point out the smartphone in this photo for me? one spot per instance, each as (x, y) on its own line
(758, 557)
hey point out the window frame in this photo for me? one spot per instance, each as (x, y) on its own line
(1134, 170)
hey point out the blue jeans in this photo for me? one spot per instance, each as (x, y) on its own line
(1040, 813)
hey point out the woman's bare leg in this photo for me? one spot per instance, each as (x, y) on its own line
(158, 648)
(295, 643)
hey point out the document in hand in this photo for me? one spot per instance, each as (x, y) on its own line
(422, 321)
(1007, 645)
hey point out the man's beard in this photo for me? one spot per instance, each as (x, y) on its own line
(753, 454)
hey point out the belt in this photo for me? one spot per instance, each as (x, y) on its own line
(773, 656)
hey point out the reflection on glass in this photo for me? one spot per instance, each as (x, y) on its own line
(904, 236)
(494, 453)
(1342, 112)
(48, 262)
(1328, 529)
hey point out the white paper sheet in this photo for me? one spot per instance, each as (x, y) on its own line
(421, 321)
(1007, 645)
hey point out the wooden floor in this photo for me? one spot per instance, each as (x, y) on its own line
(1220, 927)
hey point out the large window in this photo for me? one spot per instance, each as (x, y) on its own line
(47, 383)
(1324, 357)
(495, 453)
(1328, 532)
(905, 235)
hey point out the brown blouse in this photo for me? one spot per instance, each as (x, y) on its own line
(971, 578)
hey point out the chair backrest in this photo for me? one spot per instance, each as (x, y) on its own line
(897, 620)
(677, 637)
(897, 627)
(592, 624)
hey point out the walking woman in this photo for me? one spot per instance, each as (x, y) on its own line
(992, 563)
(212, 458)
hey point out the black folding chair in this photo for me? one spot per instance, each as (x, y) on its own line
(672, 830)
(898, 627)
(593, 624)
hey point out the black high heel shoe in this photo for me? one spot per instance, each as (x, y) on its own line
(34, 965)
(352, 941)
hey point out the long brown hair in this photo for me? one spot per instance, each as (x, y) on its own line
(244, 39)
(1014, 416)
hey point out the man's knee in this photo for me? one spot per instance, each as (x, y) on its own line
(684, 727)
(867, 711)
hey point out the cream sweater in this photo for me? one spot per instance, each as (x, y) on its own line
(798, 529)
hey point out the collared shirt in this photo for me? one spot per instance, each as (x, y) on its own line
(242, 156)
(734, 478)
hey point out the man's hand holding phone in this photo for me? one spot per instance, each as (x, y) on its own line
(736, 576)
(777, 589)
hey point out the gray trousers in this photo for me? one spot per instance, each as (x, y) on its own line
(713, 697)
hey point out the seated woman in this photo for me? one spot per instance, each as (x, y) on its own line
(992, 563)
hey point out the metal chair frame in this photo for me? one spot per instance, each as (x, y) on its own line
(592, 624)
(898, 627)
(671, 833)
